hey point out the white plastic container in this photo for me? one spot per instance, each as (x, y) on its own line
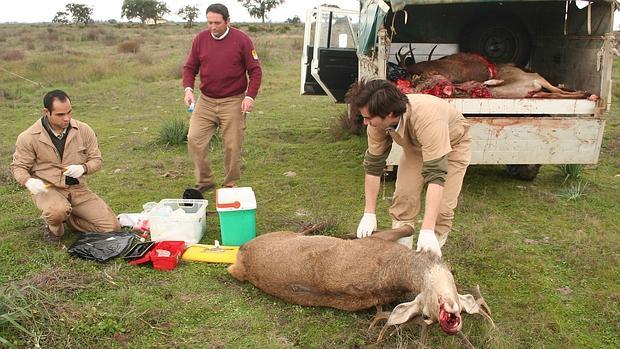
(178, 220)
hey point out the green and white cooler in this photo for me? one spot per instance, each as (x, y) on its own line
(236, 208)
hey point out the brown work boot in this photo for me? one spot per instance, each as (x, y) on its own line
(49, 237)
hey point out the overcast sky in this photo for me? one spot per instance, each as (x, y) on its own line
(30, 11)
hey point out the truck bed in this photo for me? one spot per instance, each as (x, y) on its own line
(529, 106)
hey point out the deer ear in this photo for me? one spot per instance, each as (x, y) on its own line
(405, 311)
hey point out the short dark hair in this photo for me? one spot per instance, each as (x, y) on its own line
(50, 97)
(381, 97)
(219, 8)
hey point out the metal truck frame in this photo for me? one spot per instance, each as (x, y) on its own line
(563, 43)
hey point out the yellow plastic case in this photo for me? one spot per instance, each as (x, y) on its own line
(211, 253)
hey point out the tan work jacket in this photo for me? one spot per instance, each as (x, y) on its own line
(36, 156)
(430, 123)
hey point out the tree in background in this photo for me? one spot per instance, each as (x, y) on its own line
(189, 13)
(80, 13)
(61, 18)
(260, 8)
(144, 10)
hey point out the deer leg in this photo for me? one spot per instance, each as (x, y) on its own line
(393, 234)
(387, 234)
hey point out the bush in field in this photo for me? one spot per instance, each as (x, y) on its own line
(93, 34)
(346, 125)
(571, 171)
(173, 132)
(128, 47)
(11, 55)
(283, 29)
(573, 190)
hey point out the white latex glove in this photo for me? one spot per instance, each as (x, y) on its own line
(367, 225)
(427, 241)
(75, 171)
(36, 186)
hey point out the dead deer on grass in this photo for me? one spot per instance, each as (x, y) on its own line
(358, 274)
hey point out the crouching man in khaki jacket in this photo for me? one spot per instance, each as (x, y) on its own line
(51, 159)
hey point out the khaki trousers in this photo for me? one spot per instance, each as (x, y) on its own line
(82, 209)
(409, 184)
(211, 113)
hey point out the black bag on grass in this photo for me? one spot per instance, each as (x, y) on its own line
(101, 247)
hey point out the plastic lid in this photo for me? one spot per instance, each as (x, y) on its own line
(232, 199)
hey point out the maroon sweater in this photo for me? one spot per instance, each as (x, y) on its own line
(223, 65)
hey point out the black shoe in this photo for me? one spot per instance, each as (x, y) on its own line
(49, 237)
(196, 192)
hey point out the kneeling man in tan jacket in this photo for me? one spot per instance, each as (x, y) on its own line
(51, 159)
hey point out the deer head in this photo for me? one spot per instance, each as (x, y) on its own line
(439, 302)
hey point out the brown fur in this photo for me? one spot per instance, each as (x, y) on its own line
(514, 82)
(457, 68)
(510, 82)
(327, 271)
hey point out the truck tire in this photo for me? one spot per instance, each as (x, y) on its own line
(525, 172)
(499, 38)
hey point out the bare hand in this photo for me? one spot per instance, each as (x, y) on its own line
(247, 105)
(189, 97)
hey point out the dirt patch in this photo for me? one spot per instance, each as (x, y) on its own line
(57, 280)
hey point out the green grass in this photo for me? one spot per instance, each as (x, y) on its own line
(547, 266)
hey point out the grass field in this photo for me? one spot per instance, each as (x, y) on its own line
(547, 266)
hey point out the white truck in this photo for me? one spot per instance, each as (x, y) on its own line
(567, 42)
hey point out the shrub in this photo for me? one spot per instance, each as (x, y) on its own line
(297, 44)
(173, 132)
(129, 46)
(51, 46)
(571, 171)
(175, 71)
(50, 35)
(11, 55)
(346, 125)
(282, 29)
(93, 34)
(574, 191)
(144, 59)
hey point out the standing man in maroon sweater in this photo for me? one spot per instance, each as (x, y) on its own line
(225, 57)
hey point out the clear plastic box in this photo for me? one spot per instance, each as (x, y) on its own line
(178, 220)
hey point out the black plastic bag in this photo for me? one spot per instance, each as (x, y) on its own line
(101, 247)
